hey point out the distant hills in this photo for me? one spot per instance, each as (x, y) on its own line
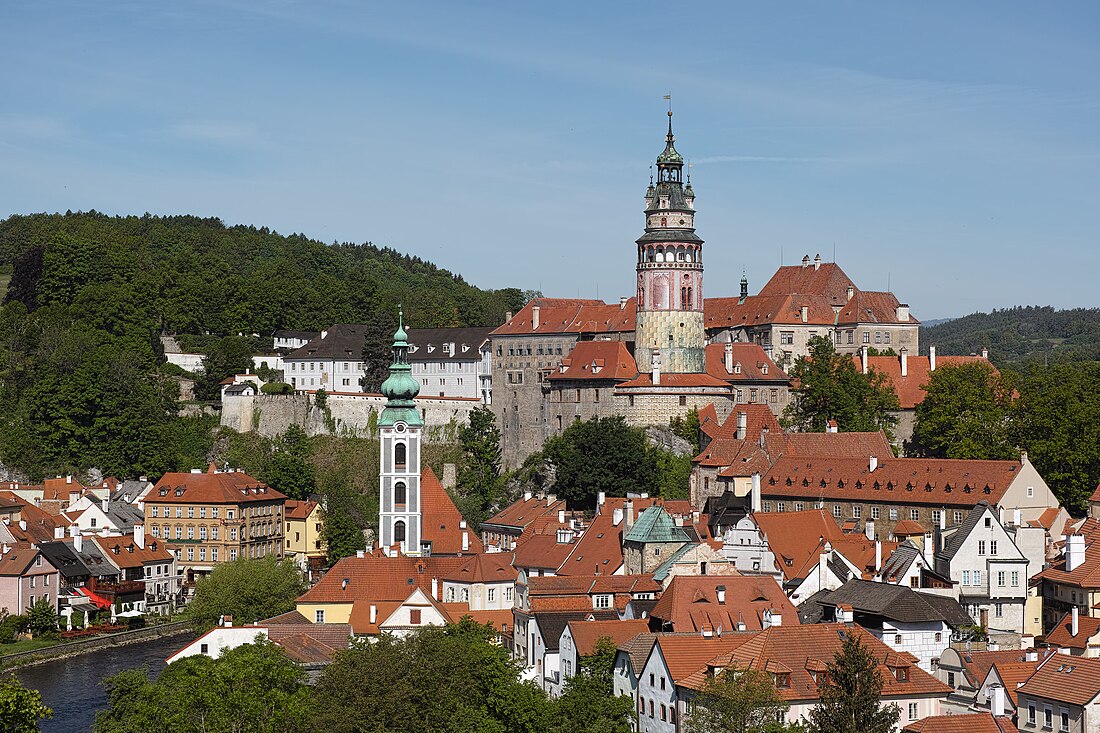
(1020, 336)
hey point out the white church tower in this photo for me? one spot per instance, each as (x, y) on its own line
(400, 428)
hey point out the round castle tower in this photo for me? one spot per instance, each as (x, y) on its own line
(670, 273)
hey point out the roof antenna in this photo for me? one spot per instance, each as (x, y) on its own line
(834, 251)
(650, 174)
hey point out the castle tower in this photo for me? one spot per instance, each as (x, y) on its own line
(400, 427)
(670, 272)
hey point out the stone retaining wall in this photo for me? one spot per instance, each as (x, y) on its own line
(95, 643)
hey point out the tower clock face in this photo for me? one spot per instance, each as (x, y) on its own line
(399, 427)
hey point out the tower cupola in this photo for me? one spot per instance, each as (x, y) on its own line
(400, 389)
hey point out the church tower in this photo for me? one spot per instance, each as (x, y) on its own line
(400, 428)
(670, 273)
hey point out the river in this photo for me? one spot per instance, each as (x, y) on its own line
(73, 687)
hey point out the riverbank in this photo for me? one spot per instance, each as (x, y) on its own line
(78, 647)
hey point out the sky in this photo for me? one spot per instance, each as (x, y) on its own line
(949, 151)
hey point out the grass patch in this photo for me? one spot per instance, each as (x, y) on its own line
(27, 645)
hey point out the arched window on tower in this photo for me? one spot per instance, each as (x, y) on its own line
(398, 531)
(660, 255)
(400, 495)
(399, 455)
(690, 302)
(664, 221)
(683, 297)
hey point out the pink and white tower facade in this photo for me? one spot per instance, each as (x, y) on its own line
(670, 273)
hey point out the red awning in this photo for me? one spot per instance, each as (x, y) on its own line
(98, 600)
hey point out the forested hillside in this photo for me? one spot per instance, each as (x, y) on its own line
(1022, 335)
(81, 379)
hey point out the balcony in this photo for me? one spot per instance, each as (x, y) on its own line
(121, 588)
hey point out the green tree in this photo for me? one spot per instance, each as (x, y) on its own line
(224, 358)
(1057, 420)
(829, 386)
(248, 590)
(441, 679)
(588, 703)
(340, 531)
(601, 454)
(687, 427)
(479, 486)
(254, 687)
(850, 694)
(42, 618)
(377, 345)
(967, 413)
(290, 468)
(673, 474)
(739, 701)
(20, 708)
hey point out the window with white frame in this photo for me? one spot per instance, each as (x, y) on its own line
(874, 512)
(914, 514)
(913, 711)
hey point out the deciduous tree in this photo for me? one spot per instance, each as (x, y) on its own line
(601, 454)
(966, 413)
(850, 694)
(247, 589)
(588, 703)
(20, 708)
(739, 701)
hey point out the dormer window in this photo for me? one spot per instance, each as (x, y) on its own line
(782, 679)
(901, 674)
(737, 368)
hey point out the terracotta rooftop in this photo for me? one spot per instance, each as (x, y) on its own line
(587, 633)
(597, 360)
(124, 552)
(376, 578)
(1064, 678)
(691, 603)
(566, 315)
(493, 567)
(918, 372)
(441, 521)
(750, 364)
(796, 537)
(673, 379)
(17, 560)
(939, 481)
(541, 551)
(211, 487)
(962, 723)
(1060, 636)
(299, 510)
(522, 512)
(908, 528)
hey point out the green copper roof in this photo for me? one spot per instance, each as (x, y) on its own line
(400, 389)
(656, 525)
(665, 568)
(669, 154)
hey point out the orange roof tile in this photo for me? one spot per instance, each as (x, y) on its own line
(673, 379)
(222, 487)
(522, 512)
(826, 279)
(750, 362)
(1075, 680)
(796, 538)
(376, 578)
(1060, 636)
(566, 315)
(939, 481)
(541, 551)
(124, 552)
(1014, 674)
(690, 603)
(600, 548)
(441, 521)
(597, 360)
(494, 567)
(687, 654)
(587, 633)
(962, 723)
(918, 372)
(908, 528)
(299, 510)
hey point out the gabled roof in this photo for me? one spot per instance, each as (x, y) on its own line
(299, 510)
(1087, 574)
(552, 623)
(63, 557)
(954, 541)
(376, 578)
(937, 481)
(908, 528)
(541, 551)
(918, 371)
(522, 512)
(495, 567)
(675, 379)
(896, 603)
(124, 552)
(342, 341)
(961, 723)
(796, 538)
(1060, 636)
(1064, 678)
(586, 633)
(597, 360)
(567, 315)
(441, 522)
(976, 665)
(637, 650)
(211, 487)
(749, 360)
(758, 310)
(690, 603)
(17, 560)
(655, 524)
(826, 278)
(600, 548)
(685, 654)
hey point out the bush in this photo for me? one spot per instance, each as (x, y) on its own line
(276, 388)
(10, 627)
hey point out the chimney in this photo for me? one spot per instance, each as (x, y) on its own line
(997, 700)
(1073, 627)
(985, 353)
(742, 425)
(872, 464)
(822, 568)
(465, 541)
(23, 524)
(805, 260)
(832, 426)
(435, 589)
(869, 529)
(527, 496)
(78, 542)
(227, 621)
(817, 262)
(754, 498)
(878, 556)
(601, 497)
(628, 513)
(373, 613)
(69, 479)
(561, 516)
(844, 613)
(617, 517)
(1031, 655)
(851, 291)
(776, 618)
(360, 554)
(1075, 552)
(104, 504)
(622, 303)
(720, 591)
(139, 535)
(59, 533)
(1016, 519)
(507, 316)
(932, 358)
(729, 357)
(656, 366)
(535, 317)
(904, 362)
(863, 357)
(902, 313)
(804, 313)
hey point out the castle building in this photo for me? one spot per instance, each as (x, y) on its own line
(669, 330)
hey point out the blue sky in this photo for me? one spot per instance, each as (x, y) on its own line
(949, 149)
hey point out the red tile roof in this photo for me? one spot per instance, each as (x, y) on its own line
(441, 520)
(976, 665)
(124, 552)
(222, 487)
(827, 279)
(908, 528)
(690, 603)
(939, 481)
(493, 567)
(1064, 678)
(597, 360)
(1060, 636)
(587, 633)
(522, 512)
(752, 360)
(566, 315)
(41, 525)
(796, 538)
(1014, 674)
(918, 372)
(672, 379)
(962, 723)
(1095, 494)
(685, 655)
(299, 510)
(1085, 575)
(17, 560)
(600, 548)
(541, 551)
(757, 310)
(376, 578)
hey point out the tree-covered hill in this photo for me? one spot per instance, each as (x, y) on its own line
(1022, 335)
(82, 380)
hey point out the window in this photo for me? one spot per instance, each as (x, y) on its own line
(866, 337)
(399, 531)
(179, 512)
(319, 616)
(951, 679)
(155, 511)
(981, 548)
(414, 616)
(912, 711)
(1031, 713)
(836, 510)
(202, 554)
(786, 337)
(914, 514)
(1063, 716)
(874, 512)
(400, 494)
(491, 594)
(999, 610)
(958, 517)
(190, 512)
(179, 532)
(993, 547)
(1030, 491)
(214, 512)
(204, 648)
(662, 683)
(878, 337)
(966, 577)
(515, 377)
(893, 514)
(767, 506)
(664, 713)
(190, 533)
(977, 577)
(897, 639)
(213, 533)
(1048, 717)
(191, 554)
(1001, 578)
(752, 395)
(202, 512)
(939, 637)
(857, 511)
(229, 514)
(214, 554)
(799, 506)
(936, 516)
(1015, 579)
